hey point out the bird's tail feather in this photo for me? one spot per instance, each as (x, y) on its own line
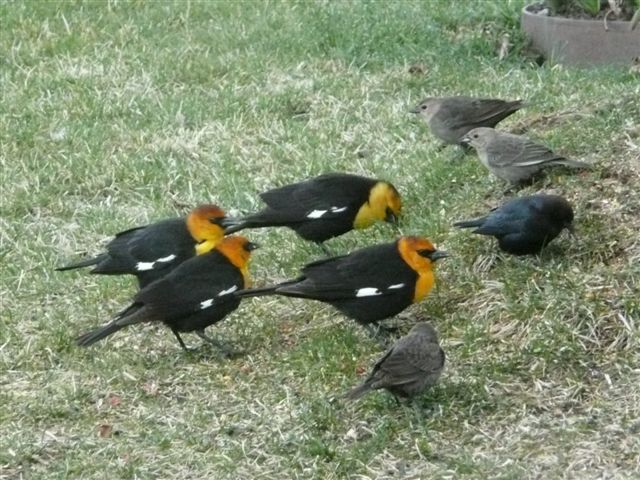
(470, 223)
(359, 391)
(82, 263)
(98, 334)
(257, 292)
(235, 225)
(574, 163)
(129, 316)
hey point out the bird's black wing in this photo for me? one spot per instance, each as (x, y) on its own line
(199, 284)
(321, 197)
(149, 252)
(376, 271)
(509, 218)
(161, 240)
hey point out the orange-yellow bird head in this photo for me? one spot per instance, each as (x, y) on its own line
(419, 253)
(238, 250)
(205, 223)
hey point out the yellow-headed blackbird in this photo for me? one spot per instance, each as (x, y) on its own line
(196, 294)
(413, 364)
(514, 158)
(525, 225)
(152, 251)
(369, 284)
(450, 118)
(326, 206)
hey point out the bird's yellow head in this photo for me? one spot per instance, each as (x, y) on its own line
(420, 254)
(205, 226)
(384, 203)
(238, 250)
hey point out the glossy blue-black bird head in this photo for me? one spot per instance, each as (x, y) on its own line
(560, 211)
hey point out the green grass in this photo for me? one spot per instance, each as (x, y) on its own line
(116, 114)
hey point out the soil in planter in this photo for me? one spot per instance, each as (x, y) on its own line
(573, 10)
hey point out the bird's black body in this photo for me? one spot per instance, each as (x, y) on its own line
(338, 195)
(196, 294)
(338, 280)
(148, 252)
(525, 225)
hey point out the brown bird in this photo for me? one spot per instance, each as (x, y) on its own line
(413, 364)
(514, 158)
(451, 118)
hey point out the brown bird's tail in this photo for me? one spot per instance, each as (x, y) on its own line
(83, 263)
(573, 163)
(133, 314)
(359, 391)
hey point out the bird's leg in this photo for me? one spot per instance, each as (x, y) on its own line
(377, 333)
(226, 350)
(510, 189)
(441, 147)
(324, 249)
(184, 347)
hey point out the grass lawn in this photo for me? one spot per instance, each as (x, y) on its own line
(120, 113)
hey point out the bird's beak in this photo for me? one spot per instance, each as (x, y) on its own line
(438, 254)
(465, 141)
(415, 109)
(252, 246)
(391, 217)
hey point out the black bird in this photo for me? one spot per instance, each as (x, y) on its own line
(196, 294)
(152, 251)
(413, 364)
(525, 225)
(325, 207)
(367, 285)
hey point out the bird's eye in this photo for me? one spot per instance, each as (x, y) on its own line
(475, 135)
(423, 107)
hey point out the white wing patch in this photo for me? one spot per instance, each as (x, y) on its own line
(206, 304)
(368, 292)
(144, 266)
(338, 209)
(228, 291)
(395, 286)
(316, 213)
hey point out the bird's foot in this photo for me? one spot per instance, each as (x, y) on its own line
(225, 350)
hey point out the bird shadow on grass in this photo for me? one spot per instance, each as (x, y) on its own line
(446, 400)
(206, 351)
